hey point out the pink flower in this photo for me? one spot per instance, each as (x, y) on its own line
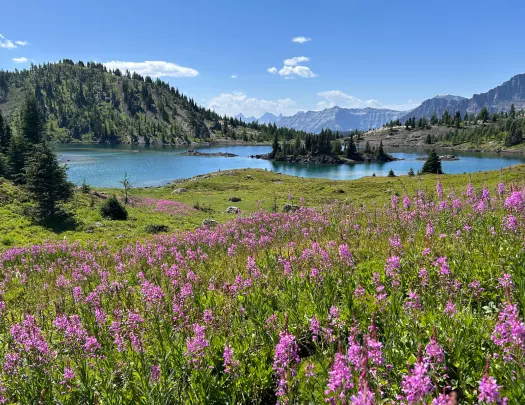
(489, 390)
(417, 384)
(340, 380)
(155, 373)
(284, 360)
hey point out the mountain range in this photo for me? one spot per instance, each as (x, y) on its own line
(336, 118)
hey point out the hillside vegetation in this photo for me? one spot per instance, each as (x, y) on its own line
(395, 291)
(87, 103)
(503, 131)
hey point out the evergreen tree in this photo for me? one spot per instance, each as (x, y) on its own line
(432, 164)
(46, 181)
(411, 172)
(484, 114)
(275, 147)
(31, 123)
(391, 173)
(16, 159)
(381, 155)
(512, 112)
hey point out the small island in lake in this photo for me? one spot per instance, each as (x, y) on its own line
(193, 152)
(325, 148)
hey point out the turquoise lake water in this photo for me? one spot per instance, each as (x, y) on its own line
(105, 165)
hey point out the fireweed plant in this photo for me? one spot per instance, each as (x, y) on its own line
(415, 302)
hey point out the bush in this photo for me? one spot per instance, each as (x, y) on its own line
(113, 209)
(85, 188)
(156, 228)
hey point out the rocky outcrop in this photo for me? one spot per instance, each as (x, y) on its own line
(192, 152)
(209, 223)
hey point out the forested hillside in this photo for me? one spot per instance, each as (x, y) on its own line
(87, 103)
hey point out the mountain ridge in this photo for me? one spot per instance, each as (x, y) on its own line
(338, 118)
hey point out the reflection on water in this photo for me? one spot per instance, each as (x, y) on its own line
(105, 165)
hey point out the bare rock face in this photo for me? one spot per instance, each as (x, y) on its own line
(232, 210)
(209, 223)
(234, 199)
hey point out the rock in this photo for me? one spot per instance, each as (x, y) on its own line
(340, 191)
(89, 230)
(232, 210)
(234, 199)
(209, 223)
(193, 152)
(98, 224)
(121, 236)
(248, 177)
(448, 157)
(180, 190)
(290, 208)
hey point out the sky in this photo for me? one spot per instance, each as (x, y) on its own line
(281, 56)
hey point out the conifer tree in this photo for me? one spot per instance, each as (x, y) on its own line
(46, 181)
(432, 164)
(31, 123)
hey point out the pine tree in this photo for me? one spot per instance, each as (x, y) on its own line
(512, 112)
(275, 147)
(46, 181)
(484, 114)
(432, 164)
(31, 123)
(16, 159)
(381, 155)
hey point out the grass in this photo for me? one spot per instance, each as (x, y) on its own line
(258, 189)
(400, 299)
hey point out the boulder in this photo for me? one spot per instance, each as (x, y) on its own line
(290, 208)
(234, 199)
(209, 223)
(180, 190)
(232, 210)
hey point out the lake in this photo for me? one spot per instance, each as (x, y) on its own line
(105, 165)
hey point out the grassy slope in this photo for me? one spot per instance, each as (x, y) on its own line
(256, 188)
(400, 136)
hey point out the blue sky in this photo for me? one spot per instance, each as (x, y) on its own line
(391, 54)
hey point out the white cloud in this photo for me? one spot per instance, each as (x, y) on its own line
(20, 60)
(9, 44)
(234, 103)
(292, 68)
(295, 60)
(338, 98)
(233, 76)
(302, 71)
(155, 68)
(301, 40)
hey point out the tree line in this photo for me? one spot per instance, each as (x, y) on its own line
(27, 159)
